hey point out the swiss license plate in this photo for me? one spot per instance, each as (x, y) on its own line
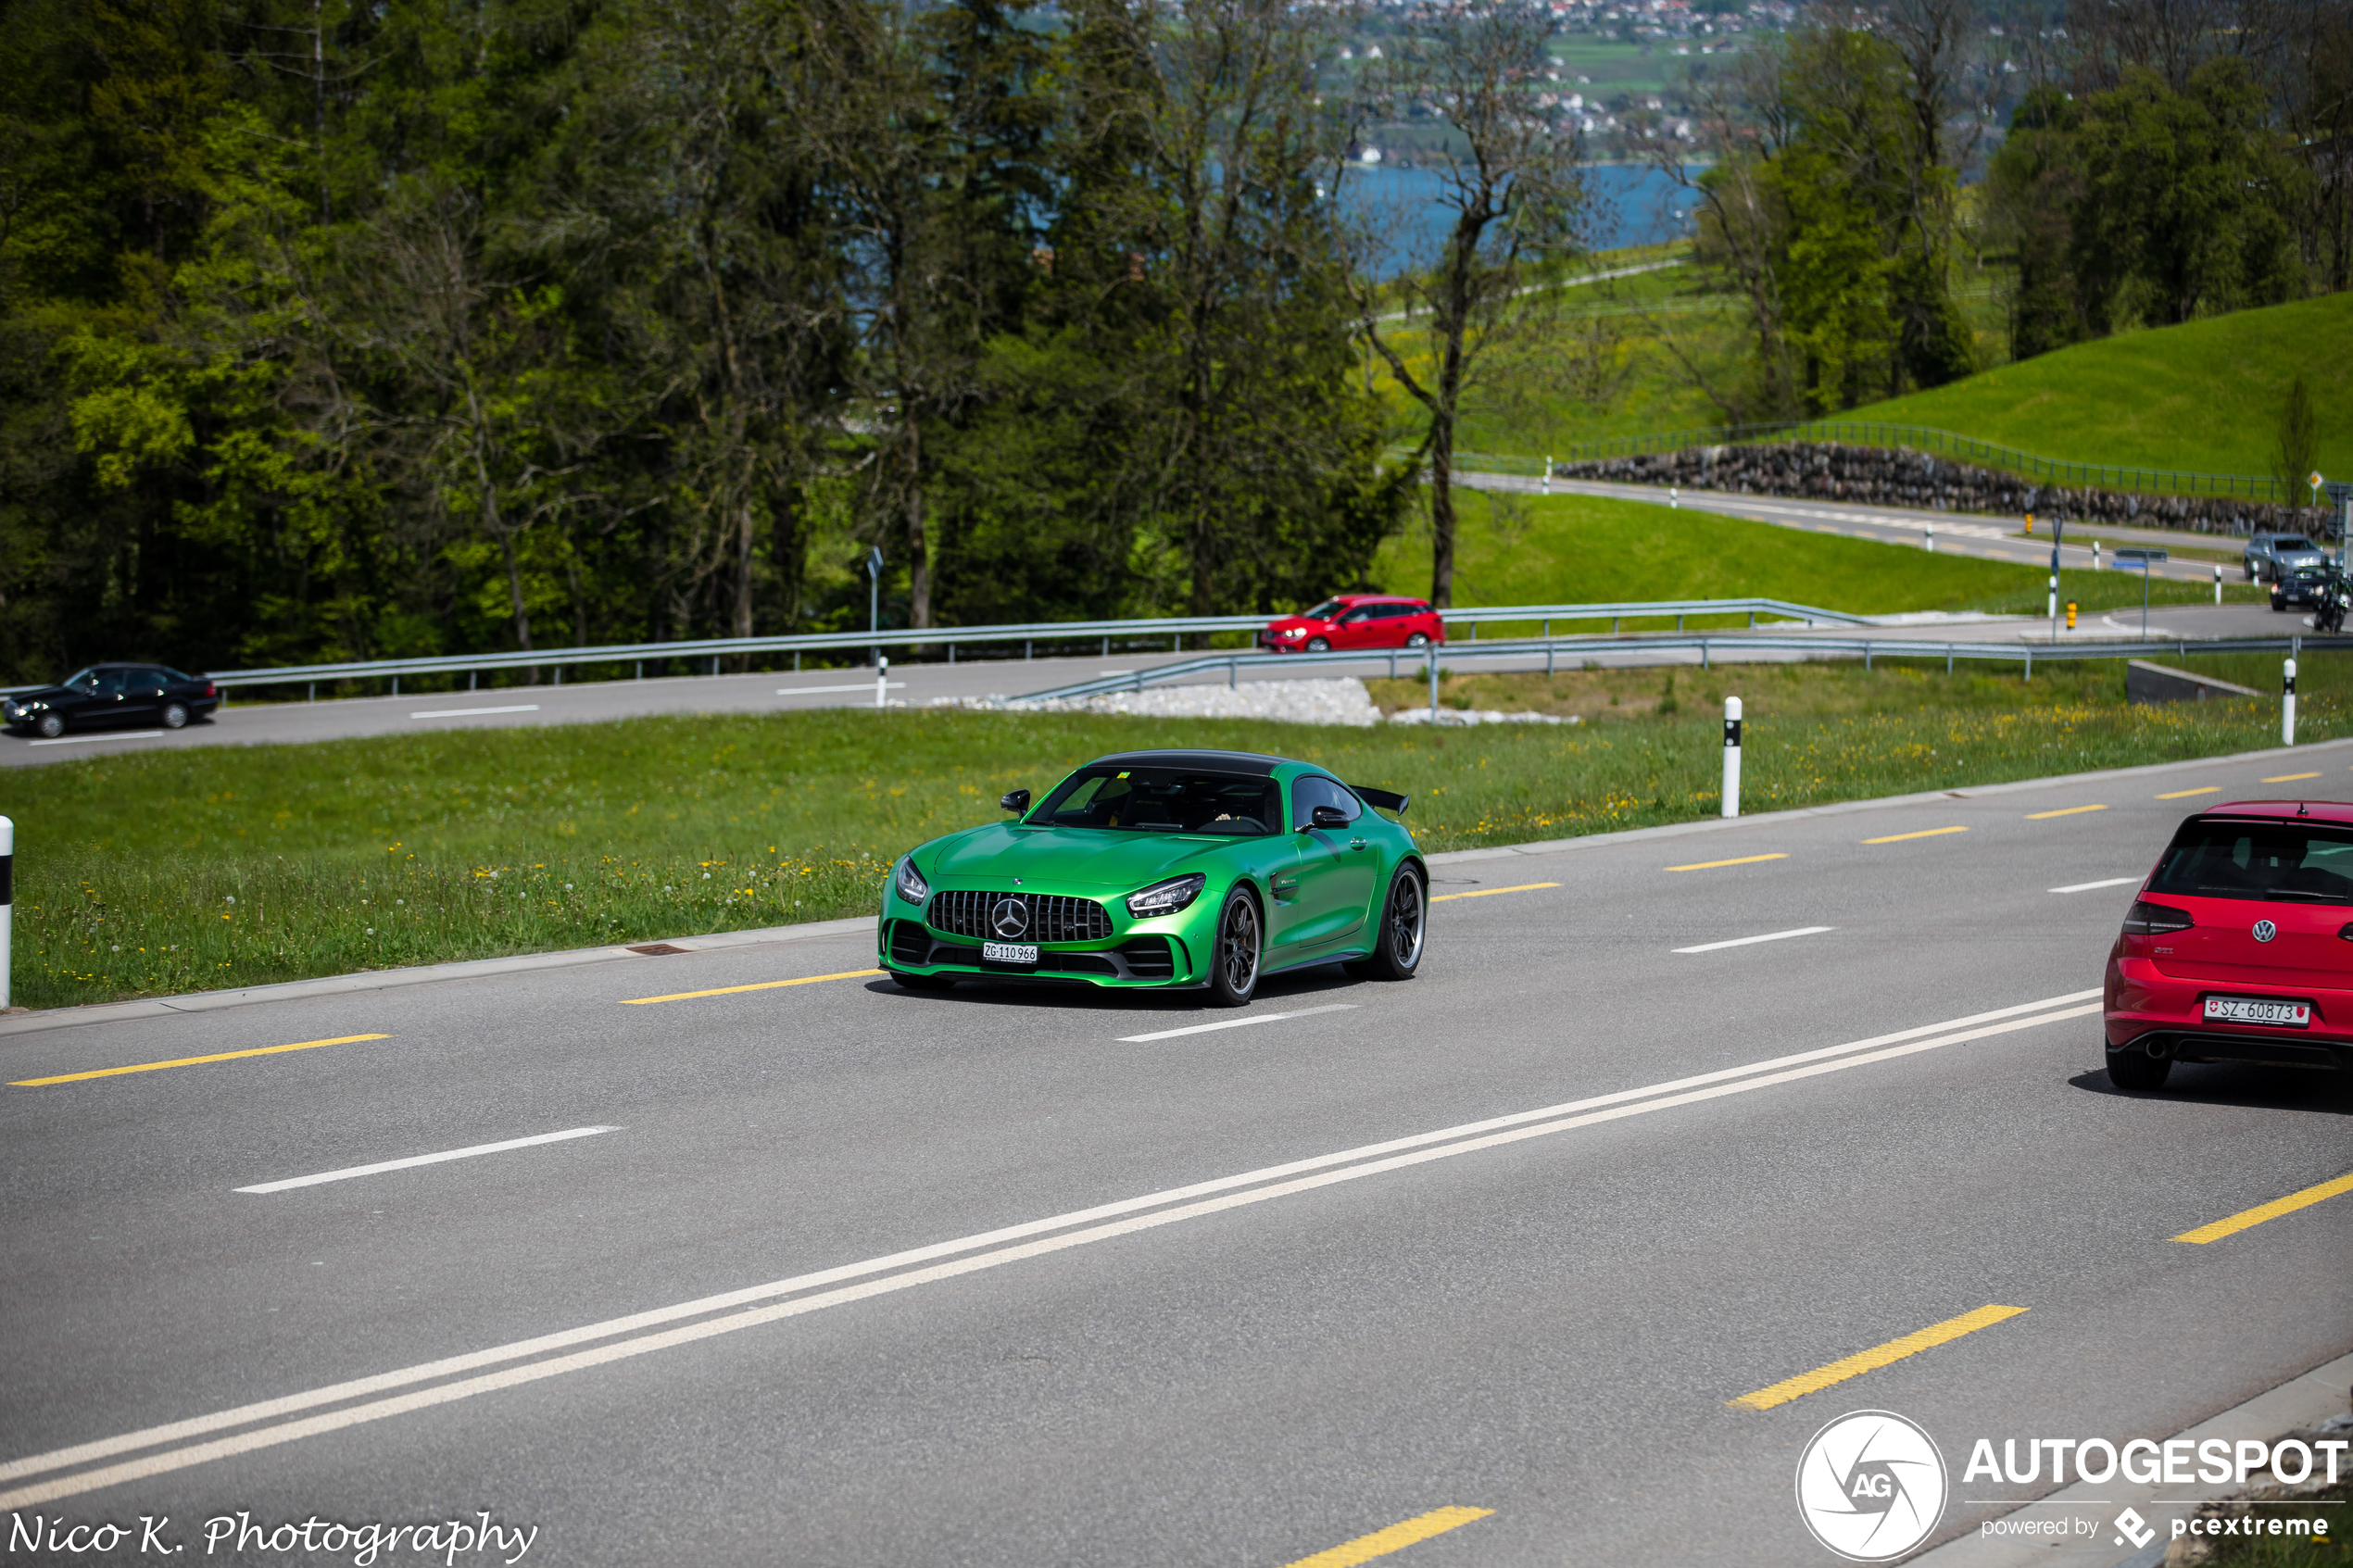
(1009, 952)
(2257, 1009)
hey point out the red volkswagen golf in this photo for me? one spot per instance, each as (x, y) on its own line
(1356, 620)
(2240, 946)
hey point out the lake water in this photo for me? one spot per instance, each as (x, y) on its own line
(1634, 205)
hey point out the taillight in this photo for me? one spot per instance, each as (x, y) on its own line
(208, 691)
(2145, 919)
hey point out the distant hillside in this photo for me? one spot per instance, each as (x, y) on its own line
(2205, 397)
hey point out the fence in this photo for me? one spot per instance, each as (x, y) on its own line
(1707, 645)
(1945, 443)
(1057, 632)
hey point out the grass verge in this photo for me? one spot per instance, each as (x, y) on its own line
(197, 868)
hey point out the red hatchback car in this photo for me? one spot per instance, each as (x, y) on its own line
(2240, 945)
(1356, 620)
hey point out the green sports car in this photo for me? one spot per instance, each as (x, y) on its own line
(1165, 869)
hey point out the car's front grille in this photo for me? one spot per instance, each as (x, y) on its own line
(1048, 917)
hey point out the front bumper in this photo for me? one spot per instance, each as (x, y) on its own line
(1162, 951)
(2163, 1016)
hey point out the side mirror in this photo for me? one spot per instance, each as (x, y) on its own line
(1016, 801)
(1330, 818)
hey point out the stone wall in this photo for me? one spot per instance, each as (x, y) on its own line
(1895, 477)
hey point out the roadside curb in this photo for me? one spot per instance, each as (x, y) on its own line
(472, 969)
(2301, 1402)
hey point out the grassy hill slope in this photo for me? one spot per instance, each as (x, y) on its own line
(2205, 397)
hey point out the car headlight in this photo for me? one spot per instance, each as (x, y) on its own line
(1296, 632)
(912, 886)
(1166, 897)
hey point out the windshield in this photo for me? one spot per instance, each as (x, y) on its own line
(2278, 860)
(82, 680)
(2291, 545)
(1323, 611)
(1163, 800)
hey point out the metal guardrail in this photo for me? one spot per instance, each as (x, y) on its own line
(1945, 443)
(1107, 632)
(1418, 660)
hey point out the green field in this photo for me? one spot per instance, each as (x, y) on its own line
(1577, 549)
(2203, 397)
(247, 865)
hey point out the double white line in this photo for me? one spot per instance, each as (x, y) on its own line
(273, 1422)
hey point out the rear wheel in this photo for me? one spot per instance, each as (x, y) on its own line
(1233, 965)
(2137, 1069)
(1417, 640)
(175, 716)
(923, 981)
(1397, 943)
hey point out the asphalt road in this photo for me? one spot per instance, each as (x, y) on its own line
(1023, 1277)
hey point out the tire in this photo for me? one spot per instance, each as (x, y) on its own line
(1399, 933)
(1240, 948)
(1417, 640)
(1320, 644)
(923, 982)
(175, 716)
(2137, 1069)
(2278, 603)
(51, 726)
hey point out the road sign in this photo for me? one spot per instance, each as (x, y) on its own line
(2141, 556)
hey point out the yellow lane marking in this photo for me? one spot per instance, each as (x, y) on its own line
(2290, 778)
(192, 1061)
(1380, 1543)
(2271, 1210)
(1483, 892)
(731, 990)
(2186, 794)
(2064, 811)
(1781, 1393)
(1711, 865)
(1924, 833)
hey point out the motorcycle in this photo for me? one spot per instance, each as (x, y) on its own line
(2328, 615)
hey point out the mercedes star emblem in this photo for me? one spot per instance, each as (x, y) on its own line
(1010, 916)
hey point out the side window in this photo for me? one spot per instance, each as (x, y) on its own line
(111, 683)
(1358, 616)
(1308, 794)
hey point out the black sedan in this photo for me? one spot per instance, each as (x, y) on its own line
(2302, 585)
(111, 696)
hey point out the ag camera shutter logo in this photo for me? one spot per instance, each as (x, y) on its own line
(1871, 1486)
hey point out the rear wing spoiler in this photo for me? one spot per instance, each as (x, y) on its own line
(1381, 799)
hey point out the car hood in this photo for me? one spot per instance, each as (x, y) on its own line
(1062, 857)
(46, 694)
(1284, 622)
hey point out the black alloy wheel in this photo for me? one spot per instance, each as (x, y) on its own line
(1320, 644)
(51, 726)
(1397, 943)
(1233, 965)
(2137, 1069)
(1417, 640)
(175, 716)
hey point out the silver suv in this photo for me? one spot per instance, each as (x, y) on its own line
(2276, 555)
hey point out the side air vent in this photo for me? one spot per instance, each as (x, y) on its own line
(1149, 958)
(910, 944)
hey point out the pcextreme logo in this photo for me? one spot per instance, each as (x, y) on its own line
(1871, 1486)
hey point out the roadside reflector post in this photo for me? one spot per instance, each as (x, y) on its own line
(2096, 555)
(1928, 538)
(1548, 475)
(1732, 757)
(8, 901)
(1674, 497)
(2218, 582)
(2287, 703)
(1433, 683)
(882, 683)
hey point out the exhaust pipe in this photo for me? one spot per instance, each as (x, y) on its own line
(2155, 1047)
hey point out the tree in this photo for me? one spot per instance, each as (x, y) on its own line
(1509, 182)
(2296, 448)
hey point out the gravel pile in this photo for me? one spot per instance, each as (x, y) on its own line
(1288, 702)
(1447, 716)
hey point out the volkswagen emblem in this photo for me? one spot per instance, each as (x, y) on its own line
(1008, 916)
(2265, 931)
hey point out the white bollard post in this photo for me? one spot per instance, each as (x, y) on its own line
(2096, 555)
(1548, 475)
(882, 683)
(2054, 607)
(1732, 757)
(1928, 539)
(2287, 704)
(8, 901)
(1674, 498)
(2218, 582)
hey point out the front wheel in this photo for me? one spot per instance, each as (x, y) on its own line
(51, 726)
(2137, 1069)
(1320, 644)
(1397, 945)
(2278, 603)
(175, 716)
(1233, 966)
